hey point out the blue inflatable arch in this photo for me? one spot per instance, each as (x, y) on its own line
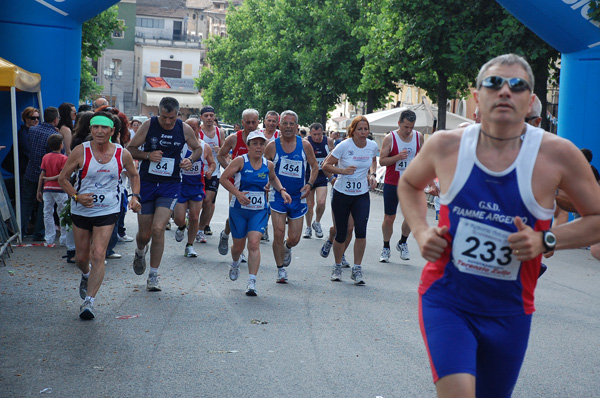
(565, 25)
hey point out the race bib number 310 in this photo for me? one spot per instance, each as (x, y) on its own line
(483, 250)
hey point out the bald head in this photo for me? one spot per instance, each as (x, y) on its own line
(194, 124)
(100, 102)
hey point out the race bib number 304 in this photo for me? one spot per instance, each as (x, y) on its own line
(483, 250)
(164, 167)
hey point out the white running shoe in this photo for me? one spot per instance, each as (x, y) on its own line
(403, 249)
(281, 275)
(357, 275)
(251, 288)
(385, 255)
(243, 258)
(336, 274)
(307, 233)
(179, 234)
(200, 237)
(287, 257)
(234, 272)
(86, 311)
(152, 283)
(318, 230)
(326, 248)
(125, 238)
(223, 243)
(190, 252)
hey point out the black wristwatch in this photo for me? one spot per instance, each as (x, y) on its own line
(312, 186)
(137, 195)
(549, 241)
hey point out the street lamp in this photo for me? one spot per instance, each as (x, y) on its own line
(111, 74)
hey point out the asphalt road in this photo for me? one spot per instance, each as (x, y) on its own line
(202, 337)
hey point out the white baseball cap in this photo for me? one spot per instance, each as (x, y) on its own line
(255, 134)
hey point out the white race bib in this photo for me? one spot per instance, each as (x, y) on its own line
(483, 250)
(196, 169)
(257, 200)
(164, 167)
(320, 161)
(105, 199)
(290, 168)
(401, 165)
(353, 186)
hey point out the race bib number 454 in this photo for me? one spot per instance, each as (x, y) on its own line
(480, 249)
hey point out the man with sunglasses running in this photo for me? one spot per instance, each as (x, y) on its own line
(498, 181)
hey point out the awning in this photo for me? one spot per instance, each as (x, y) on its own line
(186, 100)
(13, 76)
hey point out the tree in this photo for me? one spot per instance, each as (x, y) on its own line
(96, 35)
(298, 54)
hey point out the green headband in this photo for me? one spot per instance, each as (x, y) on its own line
(102, 121)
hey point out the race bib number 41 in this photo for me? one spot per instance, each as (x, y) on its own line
(164, 167)
(483, 250)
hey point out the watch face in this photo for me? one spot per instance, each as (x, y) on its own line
(550, 239)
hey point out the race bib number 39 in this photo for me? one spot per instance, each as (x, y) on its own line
(164, 167)
(290, 168)
(483, 250)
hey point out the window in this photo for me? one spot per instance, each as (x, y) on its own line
(170, 69)
(150, 23)
(119, 34)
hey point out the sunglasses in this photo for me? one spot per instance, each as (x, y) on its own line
(516, 84)
(33, 118)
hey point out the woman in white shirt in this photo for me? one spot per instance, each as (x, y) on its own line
(354, 160)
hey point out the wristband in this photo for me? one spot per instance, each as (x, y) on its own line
(136, 195)
(74, 197)
(373, 174)
(312, 186)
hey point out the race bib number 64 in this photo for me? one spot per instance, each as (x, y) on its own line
(481, 249)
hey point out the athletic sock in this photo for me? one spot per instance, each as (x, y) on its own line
(90, 299)
(386, 245)
(403, 239)
(153, 271)
(139, 252)
(251, 277)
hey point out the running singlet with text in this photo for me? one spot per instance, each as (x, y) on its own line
(290, 169)
(170, 142)
(394, 171)
(321, 151)
(253, 182)
(214, 142)
(477, 272)
(194, 176)
(348, 154)
(102, 181)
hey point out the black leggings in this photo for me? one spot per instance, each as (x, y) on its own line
(342, 206)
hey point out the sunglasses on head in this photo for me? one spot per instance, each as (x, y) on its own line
(33, 118)
(516, 84)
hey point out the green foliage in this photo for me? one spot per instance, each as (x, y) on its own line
(304, 54)
(299, 55)
(594, 12)
(96, 35)
(440, 45)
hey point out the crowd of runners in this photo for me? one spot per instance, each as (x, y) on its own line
(496, 181)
